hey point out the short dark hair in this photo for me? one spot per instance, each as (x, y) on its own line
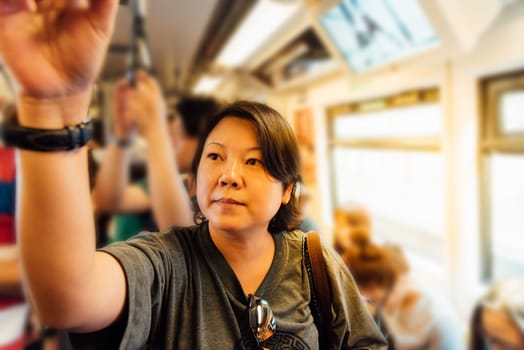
(195, 113)
(279, 154)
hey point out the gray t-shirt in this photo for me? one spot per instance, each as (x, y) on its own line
(182, 294)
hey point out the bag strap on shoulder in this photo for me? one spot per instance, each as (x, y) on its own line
(320, 288)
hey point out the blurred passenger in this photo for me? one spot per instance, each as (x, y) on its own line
(95, 147)
(304, 197)
(498, 318)
(352, 224)
(160, 200)
(94, 155)
(415, 318)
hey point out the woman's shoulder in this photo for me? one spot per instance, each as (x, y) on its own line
(185, 235)
(174, 236)
(293, 236)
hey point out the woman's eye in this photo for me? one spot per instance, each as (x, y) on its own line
(253, 161)
(212, 156)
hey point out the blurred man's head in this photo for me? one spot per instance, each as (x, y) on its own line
(376, 268)
(352, 225)
(191, 117)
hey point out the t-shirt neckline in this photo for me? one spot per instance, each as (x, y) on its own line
(219, 264)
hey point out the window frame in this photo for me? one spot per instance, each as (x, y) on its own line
(493, 141)
(428, 95)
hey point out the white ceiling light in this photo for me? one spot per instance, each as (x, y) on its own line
(262, 22)
(206, 84)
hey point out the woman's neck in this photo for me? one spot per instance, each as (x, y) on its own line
(242, 245)
(249, 255)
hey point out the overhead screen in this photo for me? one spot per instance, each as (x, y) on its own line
(373, 33)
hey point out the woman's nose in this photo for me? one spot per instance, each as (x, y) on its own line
(231, 174)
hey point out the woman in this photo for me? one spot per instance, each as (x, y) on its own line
(235, 281)
(498, 319)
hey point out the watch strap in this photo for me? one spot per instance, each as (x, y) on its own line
(47, 140)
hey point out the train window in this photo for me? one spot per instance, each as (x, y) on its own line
(502, 158)
(402, 122)
(511, 116)
(506, 190)
(385, 155)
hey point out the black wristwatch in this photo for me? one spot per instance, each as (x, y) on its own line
(46, 140)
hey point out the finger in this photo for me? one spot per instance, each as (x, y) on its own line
(133, 96)
(143, 75)
(8, 7)
(142, 86)
(78, 4)
(147, 86)
(118, 93)
(119, 106)
(121, 85)
(116, 97)
(103, 14)
(140, 78)
(50, 5)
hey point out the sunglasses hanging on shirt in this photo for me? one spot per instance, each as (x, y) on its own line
(261, 320)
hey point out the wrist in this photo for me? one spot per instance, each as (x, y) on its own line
(122, 137)
(121, 142)
(154, 128)
(54, 112)
(47, 140)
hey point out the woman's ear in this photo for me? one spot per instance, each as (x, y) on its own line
(288, 191)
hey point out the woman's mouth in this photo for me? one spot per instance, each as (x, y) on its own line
(228, 201)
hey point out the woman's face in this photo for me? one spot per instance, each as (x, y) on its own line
(500, 331)
(235, 192)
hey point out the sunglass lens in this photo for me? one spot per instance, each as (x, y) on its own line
(261, 318)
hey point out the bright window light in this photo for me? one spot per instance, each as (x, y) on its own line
(206, 84)
(506, 192)
(402, 188)
(262, 22)
(423, 120)
(511, 106)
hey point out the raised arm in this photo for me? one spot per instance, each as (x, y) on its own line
(113, 192)
(169, 199)
(53, 51)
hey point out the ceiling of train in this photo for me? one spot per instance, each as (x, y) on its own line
(174, 29)
(186, 36)
(181, 36)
